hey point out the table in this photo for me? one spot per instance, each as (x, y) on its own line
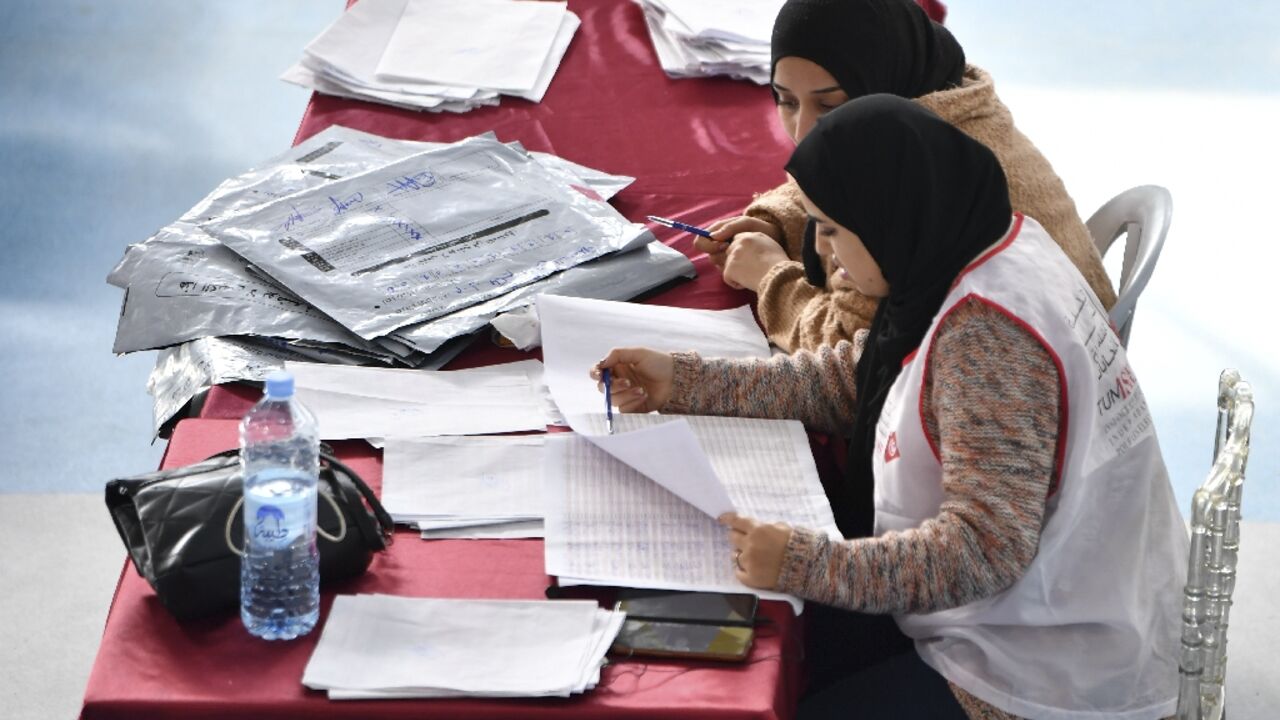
(151, 666)
(699, 150)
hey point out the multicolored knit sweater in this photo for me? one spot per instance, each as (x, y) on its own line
(797, 315)
(997, 463)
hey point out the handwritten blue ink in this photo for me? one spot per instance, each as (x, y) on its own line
(417, 181)
(407, 229)
(341, 206)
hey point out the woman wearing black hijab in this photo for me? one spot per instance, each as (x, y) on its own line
(1026, 537)
(826, 52)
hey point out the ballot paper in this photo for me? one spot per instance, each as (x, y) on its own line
(610, 524)
(494, 44)
(455, 482)
(364, 402)
(577, 333)
(375, 52)
(375, 253)
(382, 646)
(697, 38)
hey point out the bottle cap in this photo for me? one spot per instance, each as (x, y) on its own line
(280, 384)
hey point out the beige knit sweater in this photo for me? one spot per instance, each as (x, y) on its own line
(797, 315)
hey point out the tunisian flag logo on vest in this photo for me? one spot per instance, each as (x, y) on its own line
(891, 448)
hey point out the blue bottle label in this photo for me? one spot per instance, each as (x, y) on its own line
(276, 522)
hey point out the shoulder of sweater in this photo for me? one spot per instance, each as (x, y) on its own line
(976, 323)
(787, 192)
(975, 101)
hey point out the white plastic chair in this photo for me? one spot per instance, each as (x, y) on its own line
(1142, 214)
(1215, 546)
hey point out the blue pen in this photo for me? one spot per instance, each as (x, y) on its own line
(680, 226)
(608, 398)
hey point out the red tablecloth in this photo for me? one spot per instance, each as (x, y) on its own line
(150, 666)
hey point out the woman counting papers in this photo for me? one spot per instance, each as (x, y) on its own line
(1026, 537)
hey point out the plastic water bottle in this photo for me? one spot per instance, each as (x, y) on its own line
(280, 570)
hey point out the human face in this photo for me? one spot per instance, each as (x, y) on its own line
(845, 248)
(806, 92)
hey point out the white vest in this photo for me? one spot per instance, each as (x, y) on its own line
(1091, 629)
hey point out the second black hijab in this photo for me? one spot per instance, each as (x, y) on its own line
(925, 199)
(870, 46)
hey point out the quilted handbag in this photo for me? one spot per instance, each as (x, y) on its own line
(181, 526)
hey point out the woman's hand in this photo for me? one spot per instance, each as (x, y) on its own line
(642, 378)
(749, 258)
(757, 549)
(725, 229)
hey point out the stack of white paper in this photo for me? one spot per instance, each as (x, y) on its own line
(696, 38)
(369, 402)
(466, 487)
(382, 646)
(438, 55)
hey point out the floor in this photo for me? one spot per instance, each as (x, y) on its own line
(116, 117)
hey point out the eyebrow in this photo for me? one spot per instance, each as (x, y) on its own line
(819, 91)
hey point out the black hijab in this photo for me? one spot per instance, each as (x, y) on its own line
(925, 199)
(870, 46)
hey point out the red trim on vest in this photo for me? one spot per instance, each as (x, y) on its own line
(1013, 234)
(910, 356)
(1060, 452)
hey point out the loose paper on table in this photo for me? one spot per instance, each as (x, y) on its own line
(362, 402)
(477, 480)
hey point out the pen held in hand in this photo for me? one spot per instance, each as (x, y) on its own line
(681, 226)
(605, 377)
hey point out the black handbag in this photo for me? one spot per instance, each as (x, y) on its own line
(181, 526)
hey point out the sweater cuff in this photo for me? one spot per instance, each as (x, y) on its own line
(802, 547)
(684, 382)
(778, 303)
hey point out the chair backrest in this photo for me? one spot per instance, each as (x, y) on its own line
(1142, 214)
(1215, 545)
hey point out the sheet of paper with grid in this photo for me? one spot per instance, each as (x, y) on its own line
(608, 524)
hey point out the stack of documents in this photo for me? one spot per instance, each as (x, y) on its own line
(278, 284)
(466, 487)
(697, 38)
(438, 55)
(382, 646)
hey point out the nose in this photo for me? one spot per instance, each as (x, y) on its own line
(806, 118)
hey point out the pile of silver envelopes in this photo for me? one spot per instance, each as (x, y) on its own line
(363, 250)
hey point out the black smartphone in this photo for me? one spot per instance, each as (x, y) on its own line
(709, 626)
(703, 608)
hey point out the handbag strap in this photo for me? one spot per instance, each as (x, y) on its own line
(386, 526)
